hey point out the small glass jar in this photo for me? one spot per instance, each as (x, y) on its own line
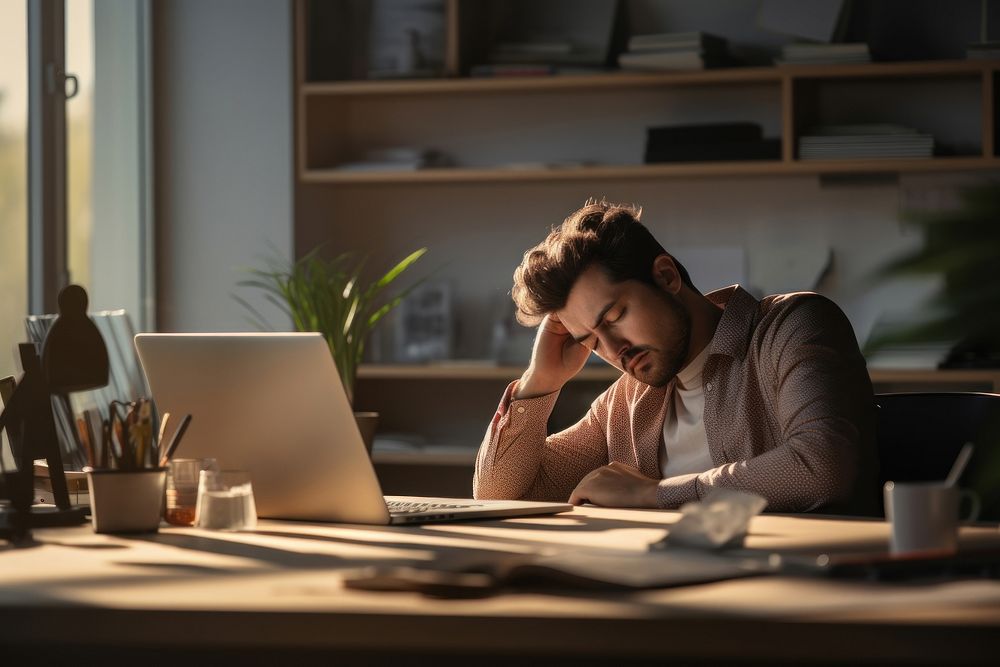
(182, 489)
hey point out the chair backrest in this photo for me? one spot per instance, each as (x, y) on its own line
(919, 435)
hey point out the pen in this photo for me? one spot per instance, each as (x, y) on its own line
(158, 446)
(143, 430)
(88, 450)
(122, 431)
(105, 443)
(175, 441)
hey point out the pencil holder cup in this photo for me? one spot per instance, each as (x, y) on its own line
(126, 501)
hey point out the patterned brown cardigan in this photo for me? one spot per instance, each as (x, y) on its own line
(789, 414)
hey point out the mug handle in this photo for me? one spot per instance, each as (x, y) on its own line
(973, 502)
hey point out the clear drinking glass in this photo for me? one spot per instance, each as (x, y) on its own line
(183, 476)
(225, 501)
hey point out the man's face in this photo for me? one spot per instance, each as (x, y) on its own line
(636, 327)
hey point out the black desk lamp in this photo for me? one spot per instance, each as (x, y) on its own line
(74, 358)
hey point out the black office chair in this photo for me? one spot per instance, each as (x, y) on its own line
(919, 435)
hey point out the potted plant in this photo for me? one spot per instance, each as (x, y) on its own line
(963, 246)
(329, 296)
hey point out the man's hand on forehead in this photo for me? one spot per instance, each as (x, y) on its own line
(553, 324)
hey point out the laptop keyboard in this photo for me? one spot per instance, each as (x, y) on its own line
(407, 507)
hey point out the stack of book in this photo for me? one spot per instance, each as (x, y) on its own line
(76, 485)
(710, 142)
(539, 58)
(983, 51)
(824, 54)
(675, 51)
(402, 158)
(832, 142)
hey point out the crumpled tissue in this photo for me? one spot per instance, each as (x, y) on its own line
(717, 521)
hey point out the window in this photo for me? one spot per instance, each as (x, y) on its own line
(74, 159)
(80, 140)
(109, 238)
(13, 179)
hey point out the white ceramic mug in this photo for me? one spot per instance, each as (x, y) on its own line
(924, 515)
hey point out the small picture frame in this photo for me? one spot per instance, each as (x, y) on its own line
(424, 324)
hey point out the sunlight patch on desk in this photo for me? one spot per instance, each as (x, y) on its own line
(624, 539)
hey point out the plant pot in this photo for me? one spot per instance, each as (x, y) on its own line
(367, 424)
(126, 501)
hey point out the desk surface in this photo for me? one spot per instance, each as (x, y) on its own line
(281, 587)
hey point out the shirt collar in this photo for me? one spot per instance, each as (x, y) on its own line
(689, 377)
(732, 336)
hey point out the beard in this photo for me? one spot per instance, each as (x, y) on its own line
(661, 365)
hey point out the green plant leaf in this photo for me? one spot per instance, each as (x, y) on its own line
(326, 295)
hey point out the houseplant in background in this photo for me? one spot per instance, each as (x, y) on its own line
(961, 245)
(330, 296)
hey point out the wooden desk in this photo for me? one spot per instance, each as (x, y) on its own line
(277, 595)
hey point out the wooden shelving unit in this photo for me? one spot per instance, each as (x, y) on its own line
(623, 80)
(337, 120)
(323, 102)
(655, 171)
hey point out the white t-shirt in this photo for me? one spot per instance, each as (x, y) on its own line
(685, 443)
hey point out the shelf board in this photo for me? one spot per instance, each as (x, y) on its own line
(647, 171)
(486, 371)
(623, 79)
(546, 84)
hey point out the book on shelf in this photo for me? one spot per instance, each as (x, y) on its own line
(704, 133)
(677, 41)
(763, 149)
(983, 51)
(865, 141)
(534, 69)
(398, 159)
(824, 54)
(710, 142)
(547, 53)
(517, 50)
(512, 70)
(667, 60)
(675, 51)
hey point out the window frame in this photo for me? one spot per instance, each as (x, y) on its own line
(47, 249)
(48, 252)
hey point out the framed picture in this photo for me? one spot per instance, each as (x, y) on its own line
(424, 324)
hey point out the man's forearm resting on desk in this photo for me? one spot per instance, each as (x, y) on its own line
(717, 390)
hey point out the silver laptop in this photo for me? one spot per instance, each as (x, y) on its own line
(273, 404)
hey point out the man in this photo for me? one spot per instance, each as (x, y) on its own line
(717, 390)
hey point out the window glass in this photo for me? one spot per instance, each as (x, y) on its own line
(13, 180)
(105, 135)
(80, 140)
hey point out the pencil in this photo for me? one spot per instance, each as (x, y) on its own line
(175, 441)
(88, 449)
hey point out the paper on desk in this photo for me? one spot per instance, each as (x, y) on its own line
(576, 568)
(654, 569)
(719, 520)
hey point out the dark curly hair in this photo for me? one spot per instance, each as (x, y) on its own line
(609, 235)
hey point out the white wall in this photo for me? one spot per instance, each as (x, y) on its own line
(223, 113)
